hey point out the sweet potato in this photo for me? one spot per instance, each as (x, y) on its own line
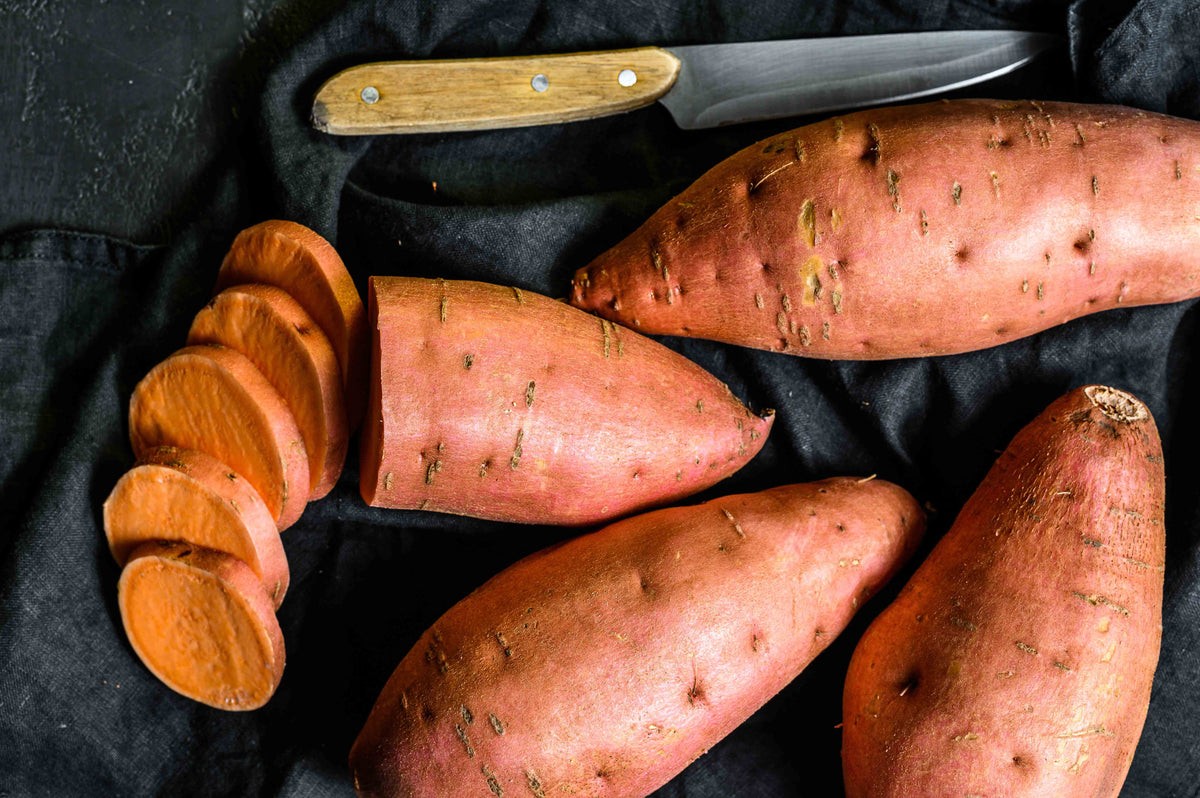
(499, 403)
(603, 666)
(296, 259)
(189, 497)
(917, 230)
(1019, 658)
(270, 328)
(202, 622)
(212, 399)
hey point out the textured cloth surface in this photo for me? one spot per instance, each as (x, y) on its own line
(83, 316)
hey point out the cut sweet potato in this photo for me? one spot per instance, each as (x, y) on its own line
(212, 399)
(917, 230)
(296, 259)
(266, 325)
(185, 496)
(202, 622)
(603, 666)
(499, 403)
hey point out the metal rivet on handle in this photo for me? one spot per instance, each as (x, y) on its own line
(370, 95)
(540, 82)
(627, 77)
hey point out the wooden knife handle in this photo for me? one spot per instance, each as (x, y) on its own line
(484, 93)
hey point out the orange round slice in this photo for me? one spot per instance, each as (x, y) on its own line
(213, 399)
(185, 496)
(202, 622)
(298, 260)
(270, 328)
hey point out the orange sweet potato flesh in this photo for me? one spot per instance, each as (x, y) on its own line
(212, 399)
(292, 257)
(917, 230)
(270, 328)
(1018, 660)
(605, 665)
(202, 622)
(499, 403)
(189, 497)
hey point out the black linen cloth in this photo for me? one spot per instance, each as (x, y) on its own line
(83, 316)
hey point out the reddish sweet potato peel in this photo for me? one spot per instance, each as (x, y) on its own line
(1018, 660)
(917, 230)
(607, 664)
(500, 403)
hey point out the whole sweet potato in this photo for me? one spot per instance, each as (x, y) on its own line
(917, 230)
(1019, 658)
(603, 666)
(499, 403)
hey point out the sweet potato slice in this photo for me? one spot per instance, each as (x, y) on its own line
(187, 496)
(603, 666)
(296, 259)
(212, 399)
(202, 622)
(499, 403)
(266, 325)
(1019, 658)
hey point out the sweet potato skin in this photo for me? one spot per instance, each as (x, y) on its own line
(605, 665)
(1018, 660)
(917, 230)
(499, 403)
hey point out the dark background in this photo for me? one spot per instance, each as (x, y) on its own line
(140, 136)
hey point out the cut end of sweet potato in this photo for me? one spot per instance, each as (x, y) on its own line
(202, 622)
(185, 496)
(298, 260)
(1117, 404)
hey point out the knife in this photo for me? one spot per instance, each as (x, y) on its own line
(701, 85)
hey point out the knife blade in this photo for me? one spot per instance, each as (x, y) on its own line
(700, 85)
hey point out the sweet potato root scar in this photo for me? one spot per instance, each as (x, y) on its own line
(893, 189)
(875, 148)
(811, 280)
(659, 266)
(808, 222)
(515, 460)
